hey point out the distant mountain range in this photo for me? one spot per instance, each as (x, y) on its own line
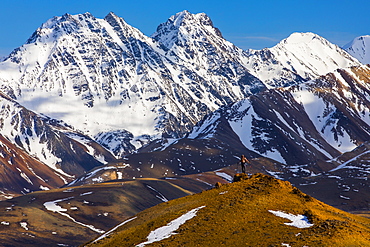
(88, 72)
(124, 90)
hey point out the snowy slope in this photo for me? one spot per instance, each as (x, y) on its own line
(338, 105)
(272, 125)
(360, 48)
(312, 121)
(50, 141)
(300, 57)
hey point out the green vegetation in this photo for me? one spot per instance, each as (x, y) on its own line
(237, 215)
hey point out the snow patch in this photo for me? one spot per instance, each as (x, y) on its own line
(299, 221)
(159, 194)
(86, 193)
(341, 166)
(345, 197)
(24, 225)
(113, 229)
(225, 176)
(169, 230)
(54, 207)
(44, 187)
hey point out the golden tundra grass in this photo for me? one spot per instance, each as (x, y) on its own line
(237, 215)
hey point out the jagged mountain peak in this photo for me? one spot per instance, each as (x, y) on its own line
(192, 40)
(66, 19)
(68, 24)
(59, 27)
(178, 18)
(57, 22)
(52, 22)
(119, 23)
(359, 48)
(185, 17)
(112, 15)
(184, 26)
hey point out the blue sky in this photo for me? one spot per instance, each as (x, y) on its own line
(247, 24)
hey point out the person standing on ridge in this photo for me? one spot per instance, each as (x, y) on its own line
(243, 161)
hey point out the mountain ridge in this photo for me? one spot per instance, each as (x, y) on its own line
(300, 57)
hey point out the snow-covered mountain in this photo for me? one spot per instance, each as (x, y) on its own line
(360, 48)
(300, 57)
(104, 77)
(123, 89)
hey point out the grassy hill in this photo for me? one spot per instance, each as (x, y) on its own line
(243, 213)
